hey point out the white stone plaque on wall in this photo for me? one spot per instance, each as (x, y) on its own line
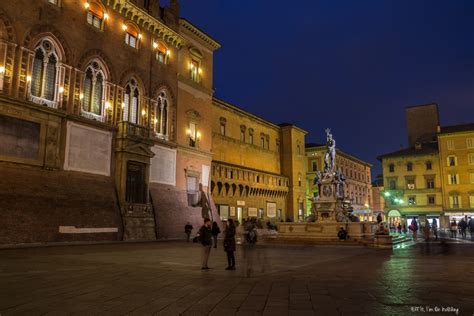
(163, 166)
(88, 149)
(252, 212)
(271, 209)
(205, 175)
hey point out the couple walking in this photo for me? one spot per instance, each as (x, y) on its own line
(206, 237)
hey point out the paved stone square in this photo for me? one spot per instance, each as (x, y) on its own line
(164, 278)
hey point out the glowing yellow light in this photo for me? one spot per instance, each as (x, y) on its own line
(106, 16)
(200, 70)
(124, 27)
(107, 105)
(81, 96)
(191, 66)
(86, 5)
(123, 105)
(2, 69)
(168, 52)
(188, 131)
(155, 120)
(140, 36)
(198, 135)
(61, 89)
(155, 45)
(28, 78)
(143, 112)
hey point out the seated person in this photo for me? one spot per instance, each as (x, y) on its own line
(342, 234)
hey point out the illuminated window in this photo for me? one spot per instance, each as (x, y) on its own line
(162, 52)
(453, 179)
(454, 200)
(132, 35)
(193, 134)
(131, 102)
(195, 71)
(93, 89)
(160, 122)
(470, 142)
(44, 74)
(95, 15)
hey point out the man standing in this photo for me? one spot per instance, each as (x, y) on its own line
(205, 235)
(188, 228)
(470, 224)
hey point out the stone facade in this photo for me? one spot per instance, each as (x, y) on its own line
(130, 77)
(422, 123)
(255, 165)
(356, 171)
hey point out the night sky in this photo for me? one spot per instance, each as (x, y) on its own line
(352, 66)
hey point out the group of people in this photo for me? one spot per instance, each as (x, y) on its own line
(465, 224)
(207, 237)
(426, 228)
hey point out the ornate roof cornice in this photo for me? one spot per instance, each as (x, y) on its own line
(203, 36)
(144, 20)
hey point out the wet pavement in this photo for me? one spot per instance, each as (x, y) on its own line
(164, 278)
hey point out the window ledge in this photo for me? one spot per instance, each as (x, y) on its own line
(43, 101)
(92, 116)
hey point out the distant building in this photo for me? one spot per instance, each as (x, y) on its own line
(378, 201)
(258, 167)
(356, 171)
(434, 176)
(456, 153)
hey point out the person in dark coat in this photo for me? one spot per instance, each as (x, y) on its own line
(188, 228)
(229, 244)
(205, 236)
(215, 232)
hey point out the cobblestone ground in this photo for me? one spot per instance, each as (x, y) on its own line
(165, 279)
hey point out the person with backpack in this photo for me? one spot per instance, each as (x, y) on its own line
(215, 232)
(205, 237)
(229, 244)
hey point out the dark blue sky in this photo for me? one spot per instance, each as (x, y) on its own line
(349, 65)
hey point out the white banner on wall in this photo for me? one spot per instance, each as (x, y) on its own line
(252, 212)
(88, 149)
(271, 209)
(205, 175)
(163, 166)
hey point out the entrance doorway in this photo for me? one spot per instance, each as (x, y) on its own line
(135, 189)
(239, 214)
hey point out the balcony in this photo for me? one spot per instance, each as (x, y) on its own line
(92, 116)
(43, 101)
(127, 129)
(137, 210)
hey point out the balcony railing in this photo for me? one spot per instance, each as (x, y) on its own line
(92, 116)
(137, 210)
(134, 130)
(43, 101)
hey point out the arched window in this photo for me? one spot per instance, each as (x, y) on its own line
(131, 102)
(96, 15)
(132, 35)
(43, 77)
(161, 115)
(93, 96)
(162, 52)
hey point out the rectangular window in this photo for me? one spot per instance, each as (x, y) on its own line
(412, 200)
(471, 159)
(409, 166)
(262, 141)
(260, 213)
(315, 166)
(452, 161)
(454, 201)
(470, 142)
(471, 177)
(430, 183)
(251, 139)
(410, 183)
(192, 134)
(471, 200)
(94, 20)
(450, 144)
(229, 174)
(300, 211)
(242, 136)
(195, 71)
(429, 166)
(136, 189)
(431, 200)
(223, 129)
(131, 40)
(192, 188)
(391, 168)
(453, 179)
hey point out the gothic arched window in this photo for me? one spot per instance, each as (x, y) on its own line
(43, 77)
(93, 99)
(131, 102)
(161, 115)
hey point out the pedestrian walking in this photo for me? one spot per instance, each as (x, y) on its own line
(205, 237)
(426, 230)
(414, 228)
(229, 244)
(462, 227)
(470, 224)
(454, 229)
(399, 228)
(434, 228)
(215, 232)
(188, 228)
